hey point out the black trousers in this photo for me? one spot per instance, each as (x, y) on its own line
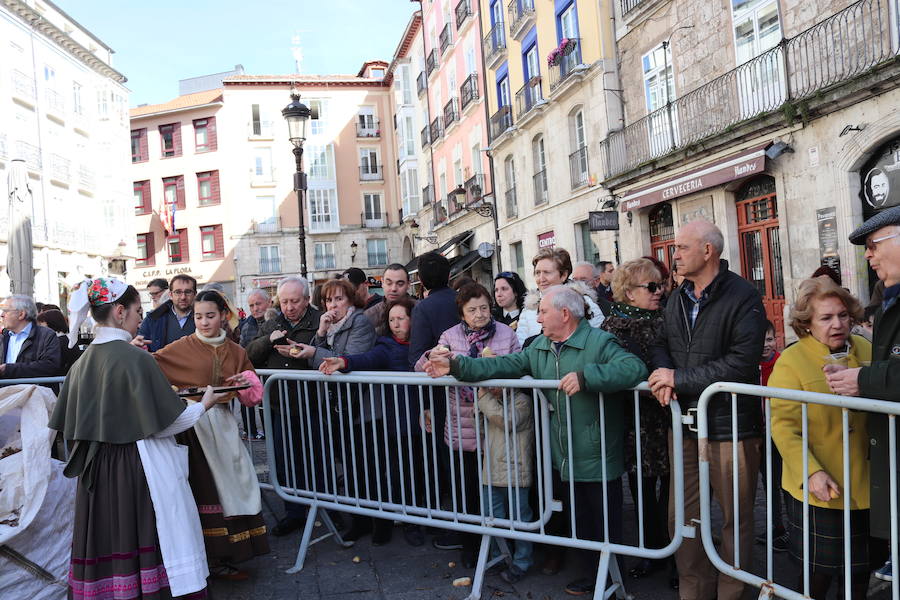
(589, 517)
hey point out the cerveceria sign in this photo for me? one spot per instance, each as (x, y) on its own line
(737, 166)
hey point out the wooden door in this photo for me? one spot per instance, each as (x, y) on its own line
(662, 234)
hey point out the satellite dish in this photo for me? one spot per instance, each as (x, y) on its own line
(485, 249)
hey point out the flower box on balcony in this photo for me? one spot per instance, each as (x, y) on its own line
(566, 46)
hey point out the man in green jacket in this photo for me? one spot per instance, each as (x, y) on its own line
(587, 361)
(881, 380)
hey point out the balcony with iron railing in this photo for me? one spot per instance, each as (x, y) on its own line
(436, 130)
(441, 214)
(474, 187)
(468, 91)
(789, 79)
(86, 177)
(55, 103)
(23, 86)
(421, 83)
(626, 6)
(269, 225)
(431, 62)
(373, 220)
(269, 265)
(325, 222)
(463, 12)
(60, 168)
(445, 39)
(528, 96)
(30, 153)
(451, 114)
(501, 122)
(371, 172)
(324, 261)
(540, 187)
(426, 139)
(521, 17)
(427, 195)
(578, 167)
(568, 59)
(512, 204)
(368, 129)
(494, 45)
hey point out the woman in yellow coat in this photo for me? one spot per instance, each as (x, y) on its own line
(822, 316)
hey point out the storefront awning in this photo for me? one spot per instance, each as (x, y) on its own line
(445, 248)
(751, 161)
(460, 264)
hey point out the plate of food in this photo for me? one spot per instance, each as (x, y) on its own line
(222, 389)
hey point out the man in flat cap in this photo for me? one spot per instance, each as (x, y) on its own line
(880, 380)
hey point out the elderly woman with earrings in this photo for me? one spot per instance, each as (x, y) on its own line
(821, 316)
(136, 524)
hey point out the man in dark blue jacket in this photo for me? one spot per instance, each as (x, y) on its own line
(171, 320)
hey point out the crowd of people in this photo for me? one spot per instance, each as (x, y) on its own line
(149, 406)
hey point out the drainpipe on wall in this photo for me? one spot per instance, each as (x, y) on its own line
(498, 261)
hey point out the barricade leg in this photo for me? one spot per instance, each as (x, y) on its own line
(481, 567)
(306, 540)
(609, 566)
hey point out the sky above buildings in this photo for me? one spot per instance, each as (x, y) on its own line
(157, 43)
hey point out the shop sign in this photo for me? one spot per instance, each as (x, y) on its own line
(730, 168)
(546, 240)
(826, 219)
(881, 177)
(603, 220)
(146, 275)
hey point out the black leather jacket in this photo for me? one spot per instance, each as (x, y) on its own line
(725, 344)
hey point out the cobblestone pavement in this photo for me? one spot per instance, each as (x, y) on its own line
(398, 571)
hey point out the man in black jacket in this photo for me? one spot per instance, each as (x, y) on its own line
(26, 348)
(713, 330)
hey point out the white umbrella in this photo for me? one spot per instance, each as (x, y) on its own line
(19, 249)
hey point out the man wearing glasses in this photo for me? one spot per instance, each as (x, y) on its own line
(157, 290)
(26, 348)
(881, 379)
(171, 320)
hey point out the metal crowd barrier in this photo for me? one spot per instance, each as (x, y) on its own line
(740, 570)
(323, 453)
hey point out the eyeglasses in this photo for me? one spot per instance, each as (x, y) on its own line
(651, 287)
(183, 292)
(870, 244)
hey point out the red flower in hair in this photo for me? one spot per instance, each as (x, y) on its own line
(98, 292)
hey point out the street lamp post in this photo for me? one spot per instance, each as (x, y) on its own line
(297, 116)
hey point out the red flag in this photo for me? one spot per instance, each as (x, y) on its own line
(167, 216)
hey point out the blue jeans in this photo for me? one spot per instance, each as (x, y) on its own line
(497, 499)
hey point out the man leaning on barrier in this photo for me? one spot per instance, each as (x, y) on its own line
(713, 330)
(587, 361)
(881, 379)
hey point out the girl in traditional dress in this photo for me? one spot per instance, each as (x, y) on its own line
(137, 533)
(222, 475)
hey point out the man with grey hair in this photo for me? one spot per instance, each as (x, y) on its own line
(295, 324)
(587, 361)
(258, 302)
(27, 349)
(713, 330)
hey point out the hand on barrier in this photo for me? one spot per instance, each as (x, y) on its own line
(570, 384)
(141, 342)
(332, 364)
(842, 381)
(665, 395)
(823, 487)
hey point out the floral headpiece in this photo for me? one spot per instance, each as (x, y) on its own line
(91, 292)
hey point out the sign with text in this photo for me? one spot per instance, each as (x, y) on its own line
(603, 220)
(826, 219)
(546, 240)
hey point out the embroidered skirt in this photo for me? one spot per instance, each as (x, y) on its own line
(232, 539)
(115, 548)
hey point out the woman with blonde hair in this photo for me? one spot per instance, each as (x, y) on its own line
(822, 316)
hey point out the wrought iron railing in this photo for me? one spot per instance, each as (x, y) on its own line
(324, 261)
(427, 195)
(501, 121)
(627, 6)
(270, 225)
(371, 172)
(24, 85)
(451, 113)
(59, 168)
(841, 47)
(474, 186)
(440, 211)
(431, 62)
(425, 138)
(512, 205)
(519, 12)
(494, 43)
(446, 37)
(528, 96)
(468, 91)
(540, 187)
(421, 83)
(436, 130)
(368, 129)
(463, 12)
(55, 102)
(30, 153)
(578, 167)
(373, 219)
(566, 63)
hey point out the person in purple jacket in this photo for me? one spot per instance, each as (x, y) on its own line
(401, 414)
(478, 335)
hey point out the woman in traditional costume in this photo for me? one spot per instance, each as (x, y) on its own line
(137, 533)
(222, 476)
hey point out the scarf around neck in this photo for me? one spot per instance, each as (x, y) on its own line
(212, 341)
(621, 309)
(334, 327)
(476, 337)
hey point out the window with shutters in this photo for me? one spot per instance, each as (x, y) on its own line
(170, 140)
(173, 191)
(146, 253)
(212, 242)
(139, 145)
(208, 188)
(205, 134)
(178, 247)
(142, 201)
(269, 259)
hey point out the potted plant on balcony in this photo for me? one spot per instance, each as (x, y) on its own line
(566, 46)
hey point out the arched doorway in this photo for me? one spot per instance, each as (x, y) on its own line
(662, 234)
(757, 212)
(407, 250)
